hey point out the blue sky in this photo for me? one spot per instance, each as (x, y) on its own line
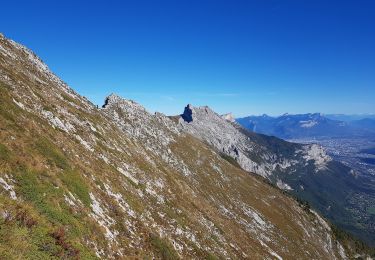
(245, 57)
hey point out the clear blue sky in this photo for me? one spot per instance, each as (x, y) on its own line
(246, 57)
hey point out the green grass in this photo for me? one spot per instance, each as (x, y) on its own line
(68, 98)
(164, 249)
(25, 235)
(135, 204)
(4, 153)
(36, 189)
(43, 196)
(211, 257)
(53, 155)
(9, 111)
(180, 218)
(19, 242)
(76, 184)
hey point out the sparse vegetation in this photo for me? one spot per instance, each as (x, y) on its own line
(41, 195)
(53, 155)
(76, 184)
(67, 249)
(7, 110)
(164, 249)
(211, 257)
(351, 244)
(24, 234)
(189, 192)
(67, 98)
(230, 160)
(4, 153)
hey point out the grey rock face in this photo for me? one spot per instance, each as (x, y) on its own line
(229, 117)
(230, 139)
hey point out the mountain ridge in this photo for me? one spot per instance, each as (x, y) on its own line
(116, 182)
(306, 126)
(306, 171)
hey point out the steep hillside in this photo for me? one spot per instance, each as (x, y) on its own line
(305, 171)
(118, 182)
(254, 153)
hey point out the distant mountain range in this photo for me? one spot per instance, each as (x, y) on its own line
(310, 125)
(82, 182)
(348, 118)
(116, 182)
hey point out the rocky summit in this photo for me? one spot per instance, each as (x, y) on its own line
(117, 182)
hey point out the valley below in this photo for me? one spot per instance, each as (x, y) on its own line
(117, 182)
(207, 130)
(358, 153)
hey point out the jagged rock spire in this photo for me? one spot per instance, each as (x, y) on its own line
(112, 98)
(188, 113)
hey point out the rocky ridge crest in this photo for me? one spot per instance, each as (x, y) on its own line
(119, 182)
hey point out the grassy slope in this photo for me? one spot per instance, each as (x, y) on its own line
(45, 165)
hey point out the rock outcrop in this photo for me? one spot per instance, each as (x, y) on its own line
(119, 182)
